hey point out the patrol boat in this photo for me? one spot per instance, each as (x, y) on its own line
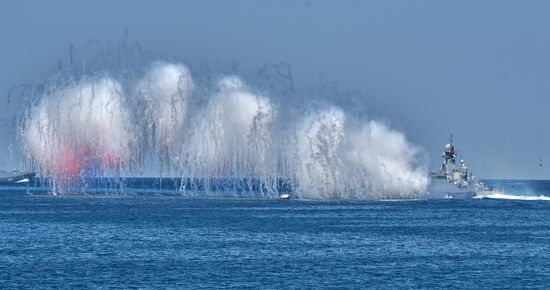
(452, 180)
(15, 177)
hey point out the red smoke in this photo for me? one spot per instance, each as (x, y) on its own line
(72, 164)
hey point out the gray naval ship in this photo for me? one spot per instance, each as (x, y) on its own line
(453, 180)
(15, 177)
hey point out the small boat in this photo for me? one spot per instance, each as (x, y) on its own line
(284, 196)
(15, 177)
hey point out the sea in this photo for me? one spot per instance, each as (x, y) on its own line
(168, 241)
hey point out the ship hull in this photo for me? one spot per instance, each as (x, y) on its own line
(16, 177)
(442, 188)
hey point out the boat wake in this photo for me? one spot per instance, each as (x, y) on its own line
(503, 195)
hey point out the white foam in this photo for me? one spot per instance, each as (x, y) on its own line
(502, 195)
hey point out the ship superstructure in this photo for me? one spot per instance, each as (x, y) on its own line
(452, 179)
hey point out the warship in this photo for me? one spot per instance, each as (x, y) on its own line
(15, 177)
(453, 180)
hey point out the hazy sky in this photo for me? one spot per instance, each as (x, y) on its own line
(478, 69)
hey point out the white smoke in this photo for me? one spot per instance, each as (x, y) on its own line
(338, 160)
(232, 137)
(227, 131)
(86, 122)
(319, 141)
(386, 161)
(166, 89)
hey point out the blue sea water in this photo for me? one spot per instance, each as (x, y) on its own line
(165, 241)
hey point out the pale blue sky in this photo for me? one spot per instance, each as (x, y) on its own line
(478, 69)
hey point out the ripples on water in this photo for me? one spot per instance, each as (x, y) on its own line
(168, 242)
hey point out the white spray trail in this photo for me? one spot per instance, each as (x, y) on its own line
(339, 160)
(165, 90)
(387, 162)
(229, 131)
(83, 126)
(319, 145)
(231, 138)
